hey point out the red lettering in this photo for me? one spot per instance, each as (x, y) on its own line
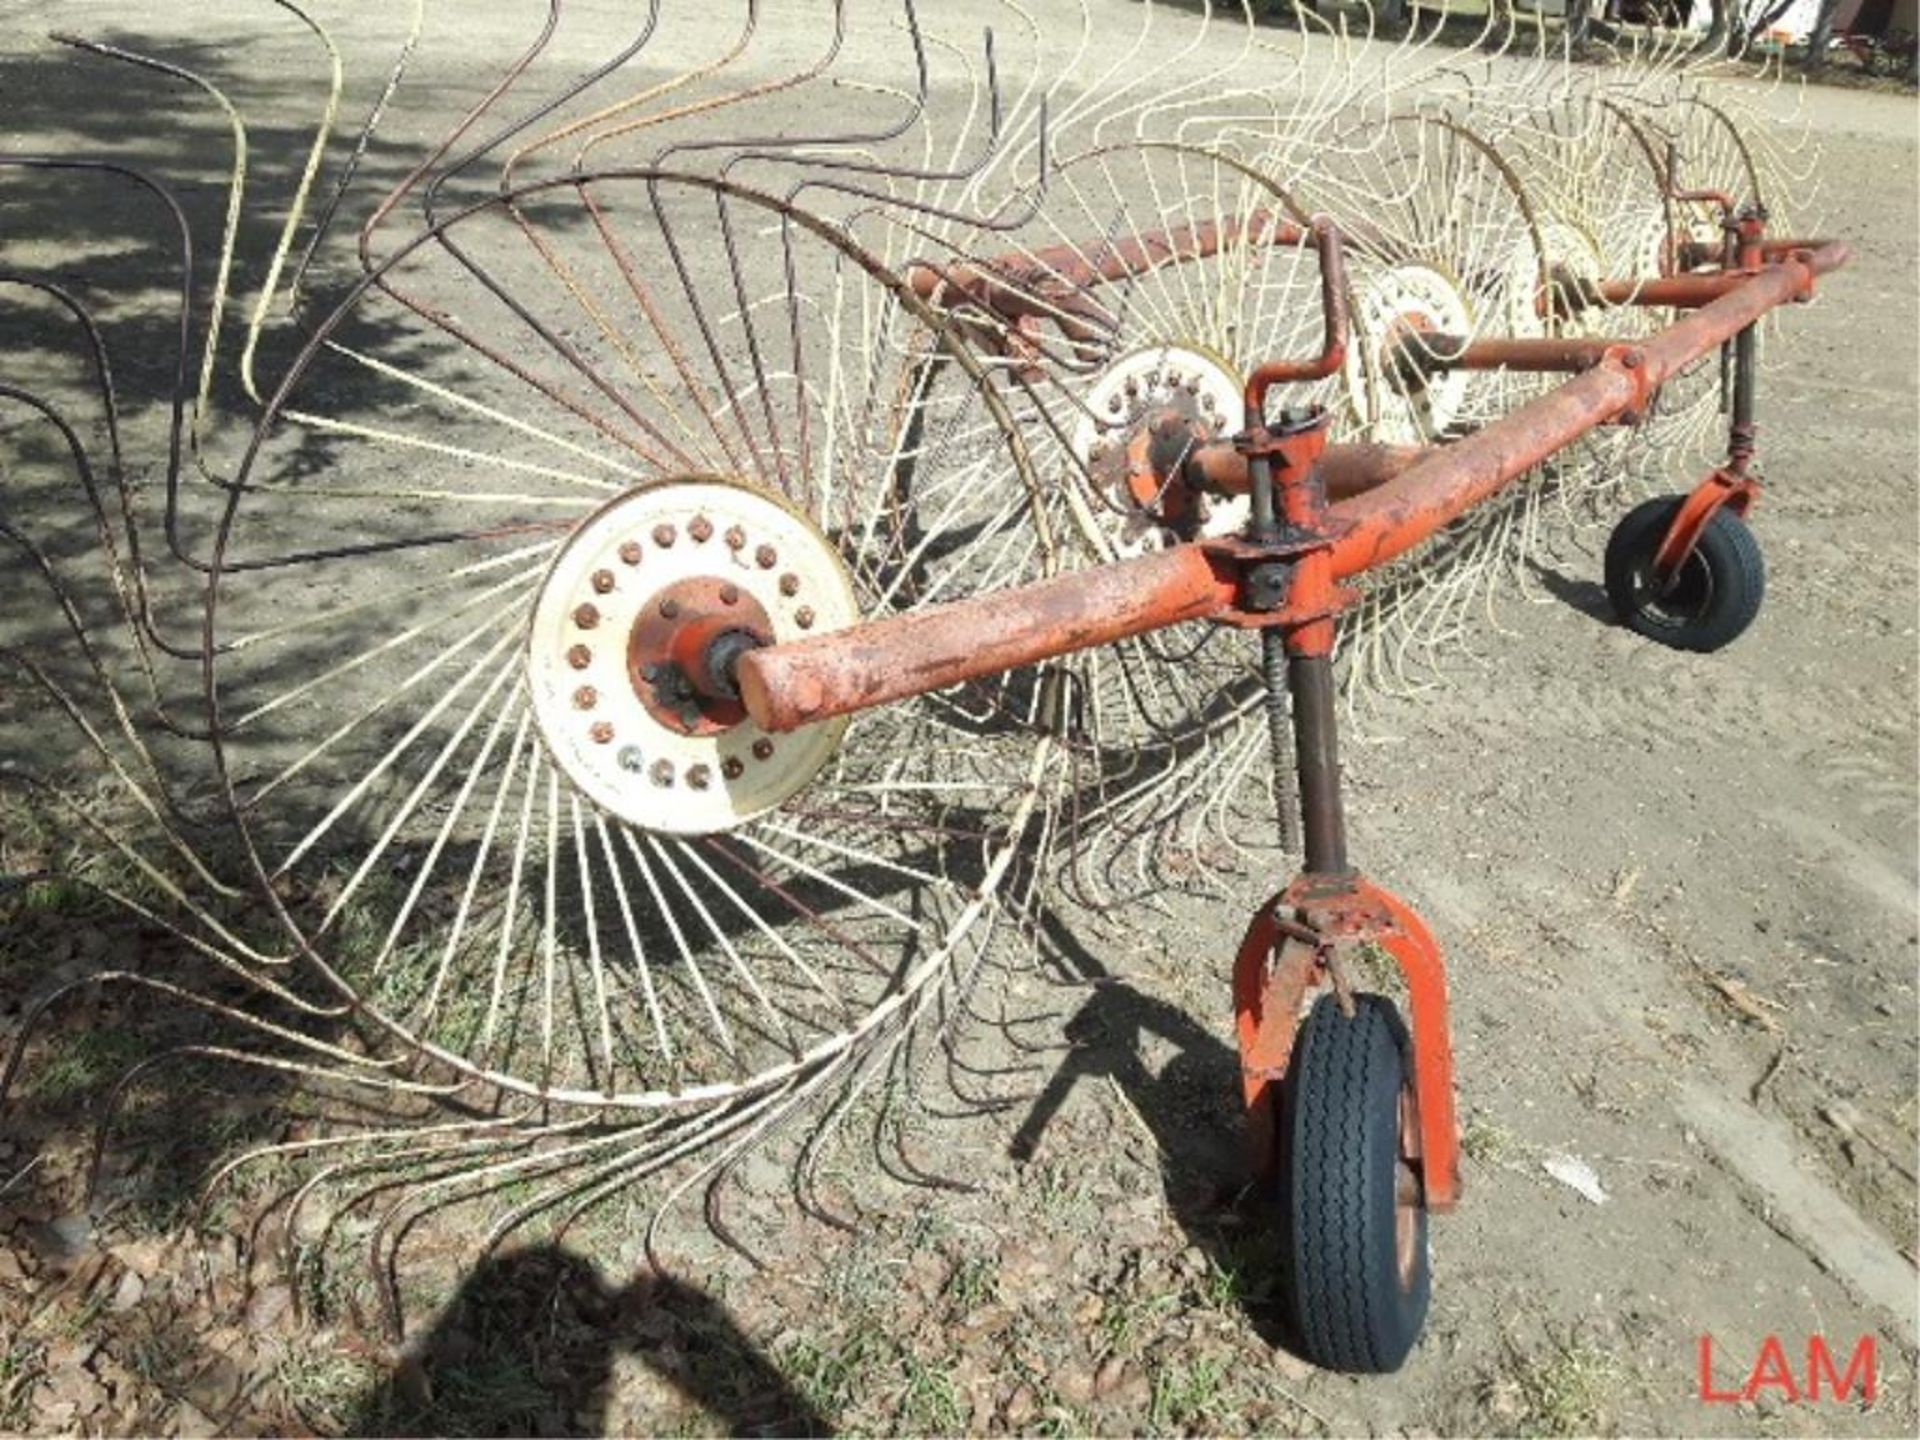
(1771, 1371)
(1707, 1392)
(1861, 1366)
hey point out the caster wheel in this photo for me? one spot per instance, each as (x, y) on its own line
(1712, 600)
(1358, 1277)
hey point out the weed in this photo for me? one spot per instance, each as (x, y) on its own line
(1131, 1318)
(1186, 1396)
(86, 1060)
(323, 1386)
(1485, 1142)
(20, 1367)
(826, 1376)
(1564, 1392)
(974, 1282)
(929, 1403)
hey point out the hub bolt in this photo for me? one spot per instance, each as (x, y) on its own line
(663, 536)
(701, 529)
(585, 616)
(663, 772)
(736, 538)
(803, 617)
(729, 594)
(602, 581)
(698, 776)
(766, 557)
(669, 608)
(732, 768)
(763, 749)
(789, 585)
(579, 657)
(630, 759)
(585, 698)
(601, 732)
(630, 552)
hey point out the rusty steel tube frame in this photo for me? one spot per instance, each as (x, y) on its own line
(797, 683)
(1219, 468)
(793, 684)
(1387, 522)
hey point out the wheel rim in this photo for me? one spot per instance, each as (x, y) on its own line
(1679, 602)
(1408, 1253)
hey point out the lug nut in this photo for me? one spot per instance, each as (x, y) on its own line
(662, 772)
(585, 616)
(698, 776)
(601, 732)
(585, 698)
(663, 535)
(579, 657)
(729, 594)
(789, 585)
(803, 617)
(602, 581)
(669, 608)
(630, 552)
(701, 529)
(630, 759)
(766, 557)
(1113, 405)
(736, 538)
(732, 767)
(763, 749)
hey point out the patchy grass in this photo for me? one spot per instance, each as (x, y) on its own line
(20, 1368)
(1188, 1396)
(1486, 1142)
(323, 1387)
(974, 1281)
(929, 1403)
(82, 1062)
(1568, 1390)
(829, 1376)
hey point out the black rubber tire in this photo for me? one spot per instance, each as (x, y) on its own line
(1720, 586)
(1340, 1156)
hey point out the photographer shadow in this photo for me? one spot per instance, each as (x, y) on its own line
(528, 1345)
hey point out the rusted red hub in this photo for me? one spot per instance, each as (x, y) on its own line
(1149, 465)
(681, 637)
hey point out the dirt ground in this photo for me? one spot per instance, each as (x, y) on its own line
(1677, 893)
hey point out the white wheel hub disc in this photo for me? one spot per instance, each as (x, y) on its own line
(623, 620)
(1120, 398)
(1394, 303)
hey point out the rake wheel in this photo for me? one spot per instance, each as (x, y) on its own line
(462, 683)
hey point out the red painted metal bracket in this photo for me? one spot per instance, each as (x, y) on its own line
(1724, 487)
(1294, 947)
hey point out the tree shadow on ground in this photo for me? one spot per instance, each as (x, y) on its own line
(528, 1345)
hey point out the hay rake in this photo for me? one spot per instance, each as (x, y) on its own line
(710, 557)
